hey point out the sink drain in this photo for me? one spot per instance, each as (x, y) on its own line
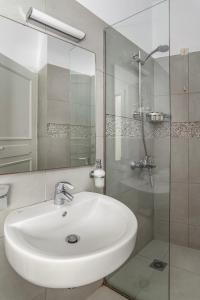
(72, 239)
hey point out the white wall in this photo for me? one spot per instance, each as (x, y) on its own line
(185, 25)
(21, 44)
(33, 49)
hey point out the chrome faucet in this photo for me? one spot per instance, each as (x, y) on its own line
(61, 193)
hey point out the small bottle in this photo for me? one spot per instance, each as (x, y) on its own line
(99, 175)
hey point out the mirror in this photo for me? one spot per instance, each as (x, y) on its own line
(47, 101)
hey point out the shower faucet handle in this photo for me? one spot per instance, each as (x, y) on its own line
(146, 163)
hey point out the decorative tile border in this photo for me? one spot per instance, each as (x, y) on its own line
(120, 126)
(185, 129)
(128, 127)
(73, 131)
(57, 130)
(161, 130)
(78, 131)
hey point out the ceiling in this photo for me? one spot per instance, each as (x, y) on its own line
(151, 28)
(113, 11)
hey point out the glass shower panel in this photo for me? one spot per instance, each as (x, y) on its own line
(138, 145)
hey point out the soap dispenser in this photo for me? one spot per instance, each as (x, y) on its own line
(98, 174)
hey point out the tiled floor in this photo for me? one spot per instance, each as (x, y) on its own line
(138, 280)
(105, 293)
(185, 273)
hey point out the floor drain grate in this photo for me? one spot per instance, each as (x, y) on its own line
(158, 265)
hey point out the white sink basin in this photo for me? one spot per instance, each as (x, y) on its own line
(36, 246)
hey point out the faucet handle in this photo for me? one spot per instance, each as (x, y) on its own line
(67, 184)
(63, 186)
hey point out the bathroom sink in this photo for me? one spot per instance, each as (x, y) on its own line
(72, 245)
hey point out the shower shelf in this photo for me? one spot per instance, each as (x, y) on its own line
(157, 117)
(152, 117)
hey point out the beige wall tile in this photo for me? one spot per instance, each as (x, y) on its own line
(161, 230)
(194, 204)
(194, 160)
(58, 80)
(179, 108)
(161, 206)
(179, 202)
(179, 233)
(179, 74)
(194, 76)
(161, 153)
(194, 107)
(179, 159)
(194, 237)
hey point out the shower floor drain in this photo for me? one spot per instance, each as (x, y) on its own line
(158, 265)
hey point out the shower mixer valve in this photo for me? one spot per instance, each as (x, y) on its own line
(146, 163)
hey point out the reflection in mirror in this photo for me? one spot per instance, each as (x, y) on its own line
(47, 101)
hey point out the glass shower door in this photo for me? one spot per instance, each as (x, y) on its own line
(138, 145)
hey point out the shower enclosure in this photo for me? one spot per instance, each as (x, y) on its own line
(138, 144)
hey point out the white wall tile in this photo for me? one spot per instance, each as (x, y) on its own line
(79, 177)
(26, 189)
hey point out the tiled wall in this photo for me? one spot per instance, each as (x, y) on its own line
(185, 172)
(66, 119)
(123, 133)
(161, 145)
(185, 145)
(31, 188)
(150, 205)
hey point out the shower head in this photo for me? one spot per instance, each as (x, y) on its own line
(161, 48)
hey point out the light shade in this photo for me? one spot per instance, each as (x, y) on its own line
(36, 15)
